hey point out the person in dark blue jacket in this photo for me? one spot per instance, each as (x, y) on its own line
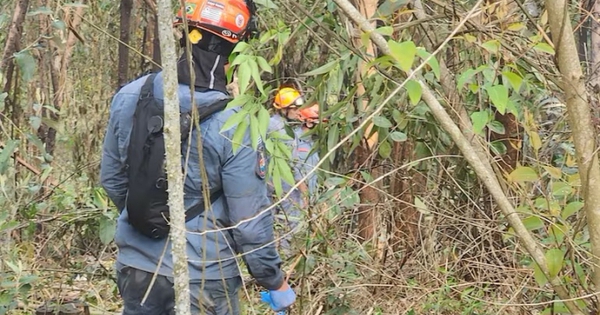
(237, 222)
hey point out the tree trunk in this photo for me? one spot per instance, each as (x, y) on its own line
(580, 120)
(14, 33)
(369, 196)
(123, 76)
(593, 64)
(173, 149)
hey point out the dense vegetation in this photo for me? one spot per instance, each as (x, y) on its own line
(405, 221)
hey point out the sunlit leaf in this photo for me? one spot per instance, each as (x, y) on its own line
(479, 119)
(553, 171)
(244, 74)
(234, 119)
(499, 96)
(513, 79)
(533, 223)
(404, 53)
(492, 46)
(414, 91)
(535, 140)
(515, 27)
(571, 208)
(554, 260)
(385, 30)
(432, 62)
(543, 47)
(561, 189)
(263, 121)
(238, 135)
(523, 174)
(264, 65)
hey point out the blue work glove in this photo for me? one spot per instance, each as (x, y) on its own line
(279, 300)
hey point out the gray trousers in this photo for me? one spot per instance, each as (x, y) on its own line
(213, 297)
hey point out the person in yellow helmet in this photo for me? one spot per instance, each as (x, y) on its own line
(292, 114)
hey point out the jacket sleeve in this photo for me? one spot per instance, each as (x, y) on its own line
(245, 190)
(113, 175)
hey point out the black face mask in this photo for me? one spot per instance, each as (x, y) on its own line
(209, 70)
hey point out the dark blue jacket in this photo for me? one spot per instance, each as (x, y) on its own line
(211, 255)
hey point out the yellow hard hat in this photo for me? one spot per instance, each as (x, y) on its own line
(288, 97)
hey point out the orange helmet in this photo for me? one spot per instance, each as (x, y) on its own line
(310, 114)
(287, 97)
(228, 19)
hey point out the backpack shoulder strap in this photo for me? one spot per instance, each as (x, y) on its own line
(147, 90)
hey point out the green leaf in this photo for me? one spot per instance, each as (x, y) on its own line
(465, 77)
(389, 7)
(479, 119)
(240, 47)
(571, 208)
(385, 149)
(432, 62)
(382, 122)
(492, 46)
(3, 96)
(27, 65)
(285, 171)
(398, 136)
(514, 79)
(538, 275)
(35, 122)
(238, 135)
(533, 223)
(404, 53)
(6, 153)
(107, 230)
(269, 4)
(499, 96)
(523, 174)
(264, 65)
(244, 74)
(496, 127)
(256, 75)
(543, 47)
(561, 189)
(254, 132)
(41, 10)
(333, 136)
(322, 69)
(58, 24)
(234, 119)
(385, 30)
(263, 121)
(554, 260)
(414, 91)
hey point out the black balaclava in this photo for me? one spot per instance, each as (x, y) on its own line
(209, 57)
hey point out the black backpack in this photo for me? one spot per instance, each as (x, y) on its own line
(147, 194)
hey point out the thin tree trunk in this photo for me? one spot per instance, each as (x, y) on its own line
(173, 150)
(580, 119)
(14, 33)
(482, 169)
(369, 196)
(123, 76)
